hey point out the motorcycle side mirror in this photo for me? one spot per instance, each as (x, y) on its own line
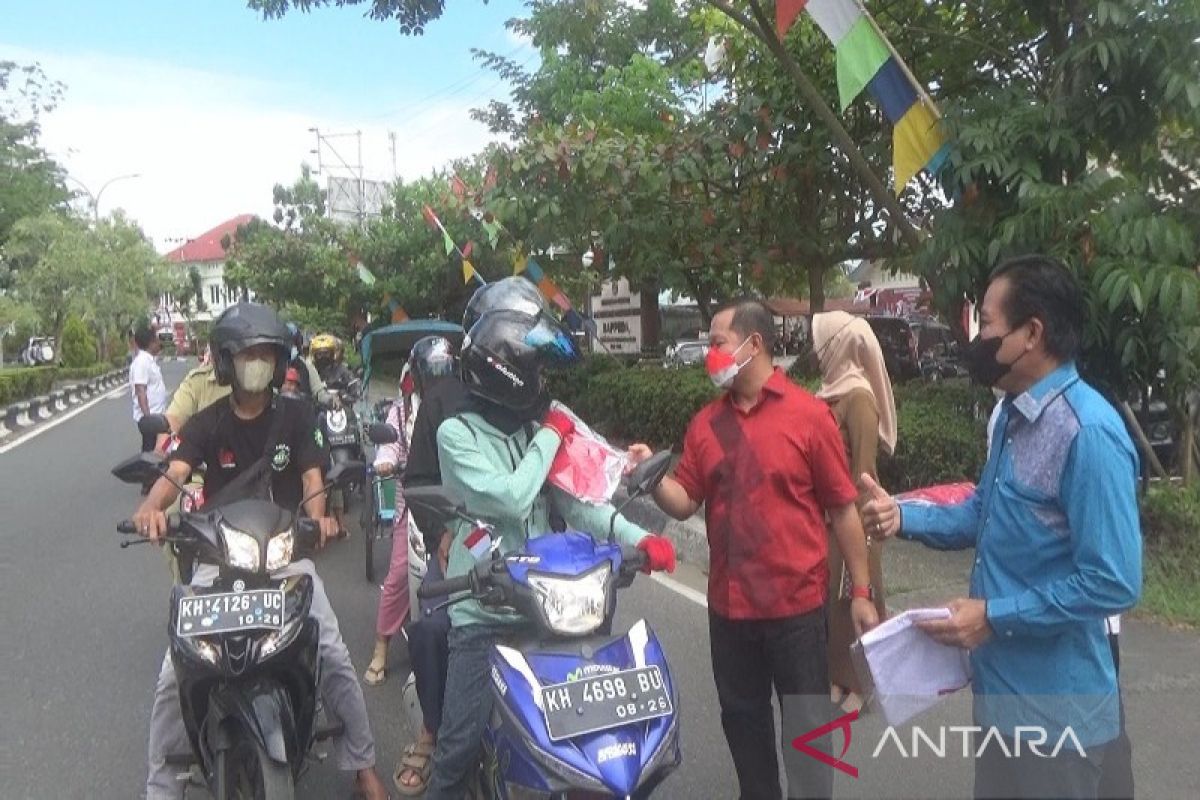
(646, 476)
(438, 502)
(140, 468)
(153, 425)
(345, 472)
(382, 433)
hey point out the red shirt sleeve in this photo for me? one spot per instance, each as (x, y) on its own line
(827, 462)
(688, 471)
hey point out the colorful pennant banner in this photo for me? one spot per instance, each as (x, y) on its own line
(867, 60)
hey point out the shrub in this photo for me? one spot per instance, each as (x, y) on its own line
(24, 382)
(83, 373)
(78, 344)
(1171, 528)
(936, 443)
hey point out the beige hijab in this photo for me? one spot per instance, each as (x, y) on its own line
(850, 359)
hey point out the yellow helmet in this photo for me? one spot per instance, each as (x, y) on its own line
(324, 342)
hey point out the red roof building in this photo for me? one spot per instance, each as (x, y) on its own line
(206, 253)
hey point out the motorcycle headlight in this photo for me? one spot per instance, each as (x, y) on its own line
(572, 606)
(279, 550)
(241, 549)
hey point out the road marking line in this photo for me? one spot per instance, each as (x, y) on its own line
(681, 589)
(56, 421)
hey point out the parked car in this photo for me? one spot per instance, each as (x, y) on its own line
(898, 341)
(39, 352)
(686, 354)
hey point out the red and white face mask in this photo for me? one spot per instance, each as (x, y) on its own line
(723, 367)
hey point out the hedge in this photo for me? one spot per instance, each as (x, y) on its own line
(21, 383)
(942, 426)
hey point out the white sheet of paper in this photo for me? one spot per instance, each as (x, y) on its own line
(910, 670)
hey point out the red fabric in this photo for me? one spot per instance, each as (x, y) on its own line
(786, 12)
(766, 477)
(660, 553)
(943, 494)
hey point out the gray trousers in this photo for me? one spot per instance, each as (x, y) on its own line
(339, 686)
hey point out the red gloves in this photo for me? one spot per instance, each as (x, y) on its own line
(560, 422)
(660, 553)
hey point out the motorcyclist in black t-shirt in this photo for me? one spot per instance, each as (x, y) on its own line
(250, 348)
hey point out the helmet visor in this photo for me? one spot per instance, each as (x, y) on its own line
(553, 342)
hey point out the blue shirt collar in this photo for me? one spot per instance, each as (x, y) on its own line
(1033, 401)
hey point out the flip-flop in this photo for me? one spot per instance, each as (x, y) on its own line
(418, 760)
(375, 674)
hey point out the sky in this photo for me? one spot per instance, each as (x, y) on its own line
(211, 106)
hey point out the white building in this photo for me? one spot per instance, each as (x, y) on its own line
(206, 253)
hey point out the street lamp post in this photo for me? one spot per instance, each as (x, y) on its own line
(95, 198)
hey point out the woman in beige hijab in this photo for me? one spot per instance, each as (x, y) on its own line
(855, 384)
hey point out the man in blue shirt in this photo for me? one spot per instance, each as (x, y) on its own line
(1054, 523)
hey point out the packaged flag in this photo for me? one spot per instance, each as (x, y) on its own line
(586, 465)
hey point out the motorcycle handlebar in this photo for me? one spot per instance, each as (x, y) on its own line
(126, 526)
(632, 559)
(431, 589)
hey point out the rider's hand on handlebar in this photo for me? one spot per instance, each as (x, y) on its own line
(385, 469)
(150, 522)
(660, 553)
(329, 530)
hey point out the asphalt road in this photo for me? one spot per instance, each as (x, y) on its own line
(82, 634)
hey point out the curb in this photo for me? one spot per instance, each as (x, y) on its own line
(26, 414)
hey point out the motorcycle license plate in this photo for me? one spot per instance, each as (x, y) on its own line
(208, 614)
(604, 701)
(340, 439)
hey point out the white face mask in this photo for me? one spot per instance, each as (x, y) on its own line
(253, 375)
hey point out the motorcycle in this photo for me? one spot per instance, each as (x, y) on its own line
(338, 423)
(577, 712)
(244, 649)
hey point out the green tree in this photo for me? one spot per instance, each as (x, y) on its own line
(78, 344)
(1088, 152)
(30, 181)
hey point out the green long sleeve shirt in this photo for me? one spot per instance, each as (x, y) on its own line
(502, 480)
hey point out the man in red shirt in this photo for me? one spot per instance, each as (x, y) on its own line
(767, 461)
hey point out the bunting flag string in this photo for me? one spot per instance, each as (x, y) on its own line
(867, 60)
(469, 272)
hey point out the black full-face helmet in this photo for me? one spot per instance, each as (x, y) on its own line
(245, 325)
(431, 357)
(505, 351)
(514, 293)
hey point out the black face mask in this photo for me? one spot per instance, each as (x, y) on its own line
(979, 357)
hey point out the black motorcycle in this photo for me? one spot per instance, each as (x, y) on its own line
(338, 423)
(244, 649)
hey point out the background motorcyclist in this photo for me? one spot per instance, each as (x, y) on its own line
(257, 443)
(323, 351)
(311, 383)
(497, 457)
(431, 362)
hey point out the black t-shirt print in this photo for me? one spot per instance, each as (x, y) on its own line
(229, 445)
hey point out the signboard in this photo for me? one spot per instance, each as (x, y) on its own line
(618, 315)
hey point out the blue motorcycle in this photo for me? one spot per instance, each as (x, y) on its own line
(578, 713)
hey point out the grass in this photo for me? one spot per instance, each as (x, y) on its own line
(1171, 589)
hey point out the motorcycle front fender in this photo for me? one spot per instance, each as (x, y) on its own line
(263, 711)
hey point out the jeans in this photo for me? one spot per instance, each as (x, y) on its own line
(749, 658)
(429, 652)
(339, 687)
(468, 705)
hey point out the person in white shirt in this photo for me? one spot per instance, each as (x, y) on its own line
(146, 382)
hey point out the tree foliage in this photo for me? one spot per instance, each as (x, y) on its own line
(30, 181)
(1087, 150)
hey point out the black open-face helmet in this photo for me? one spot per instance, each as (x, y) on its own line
(431, 357)
(505, 351)
(514, 293)
(244, 325)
